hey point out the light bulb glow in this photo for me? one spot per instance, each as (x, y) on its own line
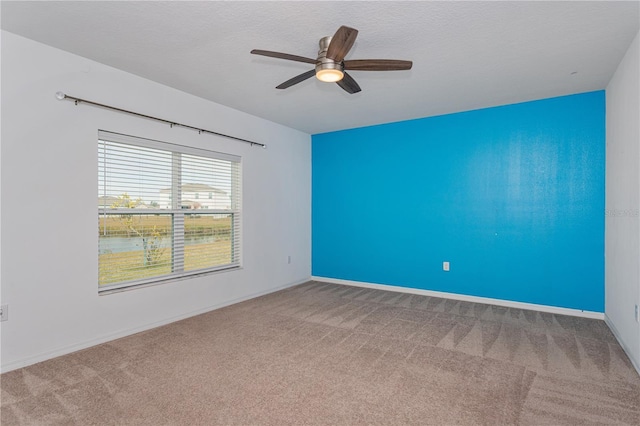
(329, 75)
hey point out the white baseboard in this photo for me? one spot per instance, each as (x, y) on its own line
(614, 330)
(123, 333)
(463, 297)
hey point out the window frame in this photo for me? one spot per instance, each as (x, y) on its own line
(177, 212)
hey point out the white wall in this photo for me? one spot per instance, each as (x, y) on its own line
(622, 233)
(49, 160)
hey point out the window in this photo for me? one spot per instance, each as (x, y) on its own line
(151, 228)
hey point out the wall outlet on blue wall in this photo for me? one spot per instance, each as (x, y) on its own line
(445, 266)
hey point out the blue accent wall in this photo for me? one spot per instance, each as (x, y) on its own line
(512, 196)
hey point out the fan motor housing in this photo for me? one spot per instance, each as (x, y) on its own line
(324, 64)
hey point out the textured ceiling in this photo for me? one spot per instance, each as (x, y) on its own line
(466, 55)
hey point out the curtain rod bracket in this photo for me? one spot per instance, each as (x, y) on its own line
(61, 96)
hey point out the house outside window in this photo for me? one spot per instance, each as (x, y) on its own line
(151, 223)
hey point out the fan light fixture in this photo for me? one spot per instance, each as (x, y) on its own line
(329, 75)
(328, 70)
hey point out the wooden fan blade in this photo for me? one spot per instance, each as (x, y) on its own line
(341, 43)
(297, 79)
(283, 56)
(377, 65)
(349, 84)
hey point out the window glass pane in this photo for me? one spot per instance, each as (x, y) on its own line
(208, 240)
(134, 246)
(206, 175)
(133, 177)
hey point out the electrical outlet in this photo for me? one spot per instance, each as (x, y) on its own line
(4, 312)
(445, 266)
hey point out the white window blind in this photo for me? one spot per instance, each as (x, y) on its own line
(153, 222)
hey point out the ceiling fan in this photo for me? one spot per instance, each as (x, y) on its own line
(330, 65)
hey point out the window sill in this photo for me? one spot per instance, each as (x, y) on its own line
(107, 291)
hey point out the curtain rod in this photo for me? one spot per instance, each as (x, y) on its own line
(61, 96)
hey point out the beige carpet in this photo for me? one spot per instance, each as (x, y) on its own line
(328, 354)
